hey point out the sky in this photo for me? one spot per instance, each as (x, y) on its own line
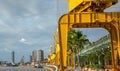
(27, 25)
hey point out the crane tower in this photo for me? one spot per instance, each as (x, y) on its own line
(90, 14)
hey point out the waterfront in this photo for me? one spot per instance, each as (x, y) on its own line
(22, 69)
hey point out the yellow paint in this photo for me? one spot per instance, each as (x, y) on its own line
(82, 5)
(89, 14)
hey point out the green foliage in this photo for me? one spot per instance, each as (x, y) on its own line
(108, 55)
(76, 40)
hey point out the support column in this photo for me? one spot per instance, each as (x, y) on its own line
(63, 32)
(118, 31)
(57, 55)
(114, 44)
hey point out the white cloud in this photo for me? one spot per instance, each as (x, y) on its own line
(41, 27)
(31, 41)
(23, 40)
(6, 50)
(2, 24)
(25, 23)
(5, 27)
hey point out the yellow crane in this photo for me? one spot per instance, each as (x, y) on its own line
(54, 57)
(57, 48)
(89, 14)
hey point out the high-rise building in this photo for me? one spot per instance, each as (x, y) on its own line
(40, 55)
(34, 55)
(13, 57)
(22, 60)
(30, 58)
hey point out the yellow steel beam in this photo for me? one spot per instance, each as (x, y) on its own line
(106, 20)
(79, 4)
(89, 18)
(119, 40)
(114, 44)
(68, 58)
(118, 33)
(57, 54)
(63, 29)
(74, 3)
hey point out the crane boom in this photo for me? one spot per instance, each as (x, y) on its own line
(89, 5)
(90, 14)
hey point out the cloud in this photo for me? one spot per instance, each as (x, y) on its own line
(27, 24)
(5, 27)
(6, 50)
(30, 24)
(41, 27)
(23, 40)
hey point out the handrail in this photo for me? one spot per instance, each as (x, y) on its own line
(56, 68)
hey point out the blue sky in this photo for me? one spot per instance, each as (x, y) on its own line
(27, 25)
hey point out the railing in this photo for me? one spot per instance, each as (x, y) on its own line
(102, 42)
(54, 68)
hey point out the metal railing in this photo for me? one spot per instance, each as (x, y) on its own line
(103, 42)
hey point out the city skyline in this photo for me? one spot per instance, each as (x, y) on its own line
(26, 27)
(34, 56)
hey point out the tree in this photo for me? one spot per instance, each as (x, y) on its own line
(76, 41)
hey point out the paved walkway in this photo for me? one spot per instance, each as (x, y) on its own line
(21, 69)
(75, 69)
(82, 69)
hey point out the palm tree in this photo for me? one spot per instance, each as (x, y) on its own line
(76, 41)
(81, 40)
(71, 39)
(71, 44)
(98, 56)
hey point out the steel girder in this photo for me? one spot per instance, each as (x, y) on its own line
(107, 20)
